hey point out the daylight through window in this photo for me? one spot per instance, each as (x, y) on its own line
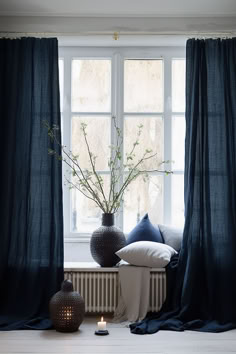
(137, 89)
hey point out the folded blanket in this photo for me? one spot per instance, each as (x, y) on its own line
(133, 302)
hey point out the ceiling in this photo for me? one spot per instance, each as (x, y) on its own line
(118, 8)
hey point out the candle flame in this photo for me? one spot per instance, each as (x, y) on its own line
(102, 319)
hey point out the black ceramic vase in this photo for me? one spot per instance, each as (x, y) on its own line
(105, 241)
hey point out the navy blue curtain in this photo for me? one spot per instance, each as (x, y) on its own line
(31, 219)
(203, 293)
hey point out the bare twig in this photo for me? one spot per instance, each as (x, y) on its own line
(94, 190)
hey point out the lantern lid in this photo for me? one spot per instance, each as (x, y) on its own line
(67, 285)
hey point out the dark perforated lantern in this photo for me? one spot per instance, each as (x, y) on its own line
(67, 308)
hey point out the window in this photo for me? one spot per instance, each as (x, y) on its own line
(137, 87)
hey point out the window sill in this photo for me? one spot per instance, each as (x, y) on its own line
(95, 267)
(87, 267)
(77, 238)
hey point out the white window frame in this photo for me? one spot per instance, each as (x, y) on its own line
(118, 55)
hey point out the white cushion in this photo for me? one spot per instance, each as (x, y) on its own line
(172, 236)
(147, 254)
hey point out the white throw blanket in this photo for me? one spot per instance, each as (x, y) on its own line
(134, 298)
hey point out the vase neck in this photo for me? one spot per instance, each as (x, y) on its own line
(107, 219)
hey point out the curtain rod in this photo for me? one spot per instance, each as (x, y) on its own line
(118, 34)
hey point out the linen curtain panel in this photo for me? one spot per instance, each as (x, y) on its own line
(203, 295)
(31, 219)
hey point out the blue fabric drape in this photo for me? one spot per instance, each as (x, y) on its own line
(204, 291)
(31, 219)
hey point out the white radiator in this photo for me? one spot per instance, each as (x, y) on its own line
(100, 289)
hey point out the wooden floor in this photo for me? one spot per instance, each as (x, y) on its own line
(119, 341)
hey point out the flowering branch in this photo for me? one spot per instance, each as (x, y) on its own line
(90, 183)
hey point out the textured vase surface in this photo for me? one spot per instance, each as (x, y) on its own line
(105, 241)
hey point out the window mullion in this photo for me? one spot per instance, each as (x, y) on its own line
(96, 114)
(143, 114)
(167, 137)
(117, 111)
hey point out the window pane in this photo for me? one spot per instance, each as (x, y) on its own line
(85, 214)
(91, 85)
(143, 85)
(98, 136)
(178, 85)
(177, 196)
(150, 138)
(141, 198)
(61, 81)
(178, 142)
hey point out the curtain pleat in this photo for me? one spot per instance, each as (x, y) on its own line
(31, 217)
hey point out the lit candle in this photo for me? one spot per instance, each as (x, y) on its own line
(102, 325)
(68, 314)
